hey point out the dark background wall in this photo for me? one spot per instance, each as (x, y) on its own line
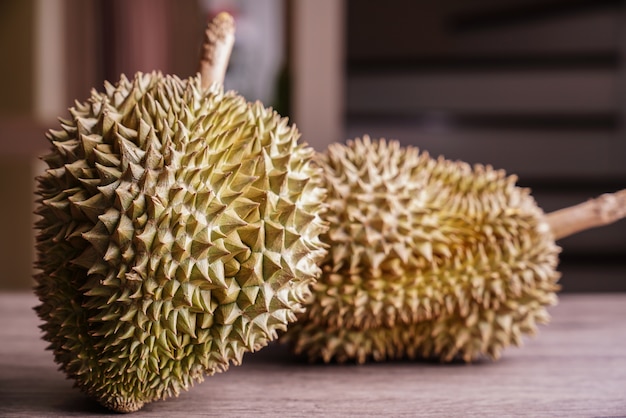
(535, 87)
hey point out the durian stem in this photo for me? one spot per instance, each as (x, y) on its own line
(219, 38)
(603, 210)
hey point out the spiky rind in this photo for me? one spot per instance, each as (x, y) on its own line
(427, 257)
(179, 228)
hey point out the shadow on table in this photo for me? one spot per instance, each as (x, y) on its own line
(277, 353)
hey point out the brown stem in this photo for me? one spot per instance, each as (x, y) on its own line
(219, 38)
(603, 210)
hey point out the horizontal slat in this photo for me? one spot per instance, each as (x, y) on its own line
(591, 31)
(480, 92)
(487, 62)
(593, 277)
(413, 30)
(532, 154)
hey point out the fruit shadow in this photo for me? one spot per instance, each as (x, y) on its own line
(277, 353)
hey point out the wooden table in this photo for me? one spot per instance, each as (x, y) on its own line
(576, 366)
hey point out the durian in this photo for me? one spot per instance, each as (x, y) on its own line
(428, 258)
(179, 229)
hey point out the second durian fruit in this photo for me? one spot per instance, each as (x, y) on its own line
(427, 258)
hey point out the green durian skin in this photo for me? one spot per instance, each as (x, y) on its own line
(428, 258)
(179, 229)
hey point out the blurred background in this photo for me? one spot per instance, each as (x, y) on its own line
(536, 87)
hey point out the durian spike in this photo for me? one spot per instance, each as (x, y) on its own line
(603, 210)
(219, 38)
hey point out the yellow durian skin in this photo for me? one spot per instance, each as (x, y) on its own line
(428, 258)
(179, 229)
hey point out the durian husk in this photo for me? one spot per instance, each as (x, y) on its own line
(427, 258)
(179, 229)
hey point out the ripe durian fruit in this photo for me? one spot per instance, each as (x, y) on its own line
(427, 258)
(179, 229)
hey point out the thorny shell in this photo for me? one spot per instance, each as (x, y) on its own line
(179, 229)
(427, 258)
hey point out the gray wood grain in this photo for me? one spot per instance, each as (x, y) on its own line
(576, 366)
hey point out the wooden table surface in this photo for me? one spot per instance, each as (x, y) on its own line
(576, 366)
